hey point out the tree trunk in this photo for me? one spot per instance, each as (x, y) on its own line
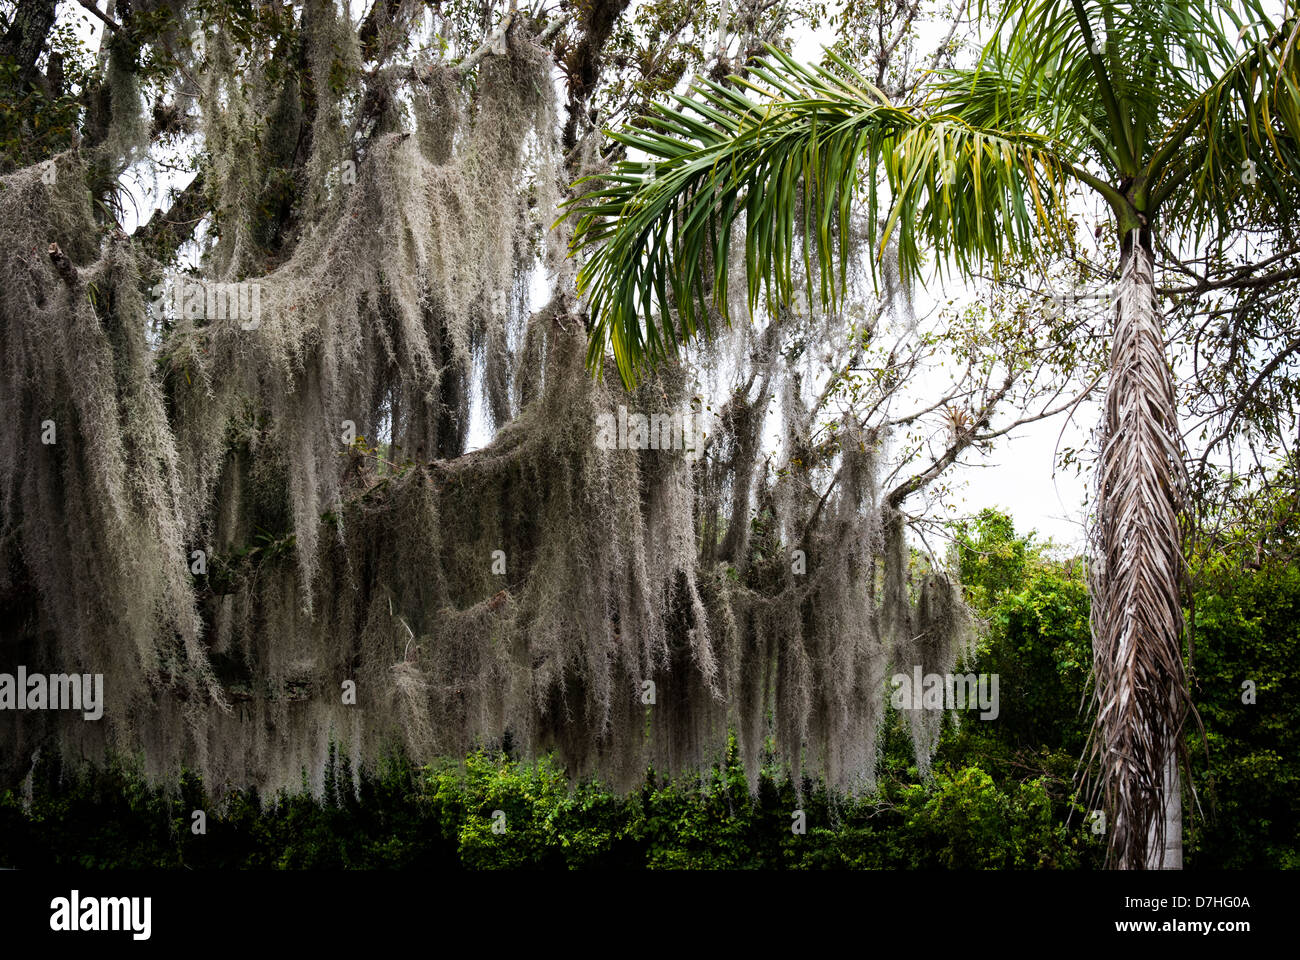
(1166, 852)
(1137, 618)
(25, 38)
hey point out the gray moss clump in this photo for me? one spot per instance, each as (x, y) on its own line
(536, 587)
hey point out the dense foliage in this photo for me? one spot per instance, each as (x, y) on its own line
(1247, 627)
(440, 818)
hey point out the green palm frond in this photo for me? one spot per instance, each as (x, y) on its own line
(1005, 93)
(1126, 69)
(658, 231)
(1239, 140)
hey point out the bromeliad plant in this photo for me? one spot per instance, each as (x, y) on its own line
(1176, 113)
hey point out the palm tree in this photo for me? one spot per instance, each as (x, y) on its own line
(1174, 112)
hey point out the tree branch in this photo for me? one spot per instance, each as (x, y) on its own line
(108, 21)
(1287, 351)
(165, 232)
(959, 443)
(65, 268)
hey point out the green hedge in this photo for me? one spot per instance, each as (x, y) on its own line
(445, 817)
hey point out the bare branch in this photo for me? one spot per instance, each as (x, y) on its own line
(108, 21)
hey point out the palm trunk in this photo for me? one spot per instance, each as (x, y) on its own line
(1137, 618)
(1166, 852)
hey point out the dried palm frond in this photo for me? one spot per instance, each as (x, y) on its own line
(1137, 617)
